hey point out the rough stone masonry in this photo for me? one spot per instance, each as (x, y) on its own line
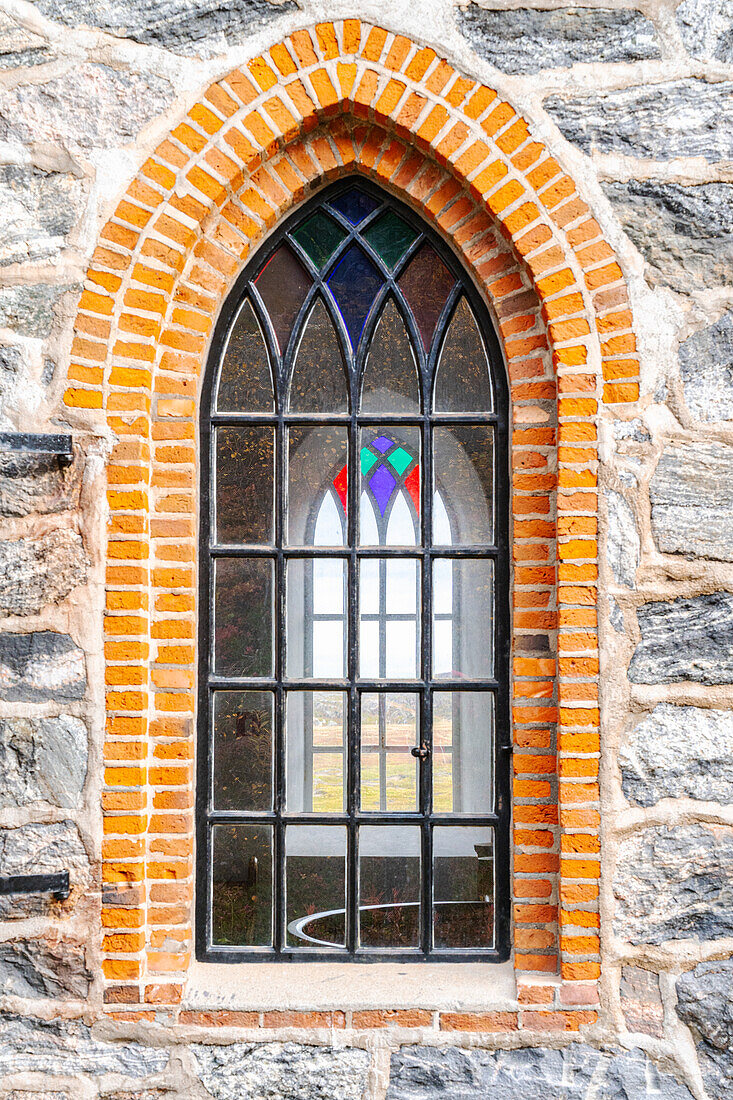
(636, 101)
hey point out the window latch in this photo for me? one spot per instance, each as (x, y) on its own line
(421, 751)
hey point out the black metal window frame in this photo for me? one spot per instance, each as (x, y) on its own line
(499, 552)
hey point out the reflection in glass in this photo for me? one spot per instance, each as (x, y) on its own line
(389, 595)
(243, 750)
(315, 753)
(318, 384)
(464, 471)
(243, 617)
(315, 885)
(244, 478)
(463, 618)
(389, 886)
(426, 283)
(283, 284)
(316, 473)
(389, 730)
(316, 618)
(463, 382)
(390, 383)
(463, 752)
(245, 380)
(354, 283)
(242, 885)
(390, 483)
(463, 887)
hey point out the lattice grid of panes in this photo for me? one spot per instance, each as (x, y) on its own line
(353, 791)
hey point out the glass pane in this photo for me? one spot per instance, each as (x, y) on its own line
(389, 886)
(315, 885)
(390, 383)
(242, 885)
(355, 205)
(244, 476)
(463, 618)
(243, 616)
(243, 750)
(464, 477)
(318, 384)
(426, 284)
(283, 284)
(390, 237)
(390, 486)
(463, 381)
(315, 754)
(354, 283)
(389, 730)
(317, 482)
(319, 237)
(245, 379)
(463, 887)
(316, 618)
(389, 608)
(463, 752)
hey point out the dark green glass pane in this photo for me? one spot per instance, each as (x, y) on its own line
(245, 380)
(244, 470)
(283, 285)
(390, 382)
(243, 616)
(390, 237)
(241, 913)
(319, 380)
(368, 458)
(319, 237)
(463, 382)
(400, 460)
(243, 750)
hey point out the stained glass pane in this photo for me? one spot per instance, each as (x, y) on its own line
(390, 466)
(319, 383)
(315, 885)
(317, 483)
(316, 618)
(319, 237)
(354, 283)
(243, 750)
(463, 381)
(464, 477)
(315, 751)
(389, 771)
(463, 618)
(242, 885)
(389, 886)
(283, 284)
(390, 383)
(245, 380)
(463, 887)
(426, 284)
(390, 237)
(243, 616)
(463, 752)
(244, 484)
(355, 205)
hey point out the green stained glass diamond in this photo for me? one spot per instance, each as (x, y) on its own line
(390, 236)
(400, 460)
(368, 458)
(319, 237)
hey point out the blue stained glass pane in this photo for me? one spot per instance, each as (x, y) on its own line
(354, 205)
(382, 485)
(354, 284)
(382, 443)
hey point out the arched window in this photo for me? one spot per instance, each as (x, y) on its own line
(353, 782)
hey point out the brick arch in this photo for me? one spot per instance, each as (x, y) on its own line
(335, 99)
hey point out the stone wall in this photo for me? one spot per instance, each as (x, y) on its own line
(635, 103)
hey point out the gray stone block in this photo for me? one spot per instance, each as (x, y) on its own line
(685, 639)
(69, 1047)
(29, 310)
(42, 760)
(40, 849)
(36, 572)
(39, 210)
(41, 968)
(692, 500)
(37, 483)
(675, 883)
(681, 118)
(679, 752)
(622, 540)
(525, 41)
(578, 1072)
(40, 666)
(185, 26)
(706, 366)
(706, 27)
(19, 46)
(287, 1071)
(705, 1004)
(684, 233)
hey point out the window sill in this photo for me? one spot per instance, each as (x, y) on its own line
(465, 987)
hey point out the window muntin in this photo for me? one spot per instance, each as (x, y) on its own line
(353, 796)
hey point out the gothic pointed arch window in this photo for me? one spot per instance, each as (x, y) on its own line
(353, 777)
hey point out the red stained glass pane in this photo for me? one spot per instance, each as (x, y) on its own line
(426, 284)
(283, 284)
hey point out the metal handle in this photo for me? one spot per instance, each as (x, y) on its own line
(422, 751)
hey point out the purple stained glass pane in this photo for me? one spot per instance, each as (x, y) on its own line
(381, 444)
(283, 284)
(354, 283)
(382, 485)
(426, 284)
(354, 205)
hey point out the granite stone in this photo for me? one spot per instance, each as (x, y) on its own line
(43, 968)
(622, 540)
(705, 1004)
(39, 210)
(42, 760)
(685, 639)
(706, 27)
(37, 483)
(69, 1047)
(675, 883)
(527, 40)
(706, 367)
(37, 572)
(40, 666)
(19, 47)
(40, 849)
(287, 1071)
(29, 310)
(691, 494)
